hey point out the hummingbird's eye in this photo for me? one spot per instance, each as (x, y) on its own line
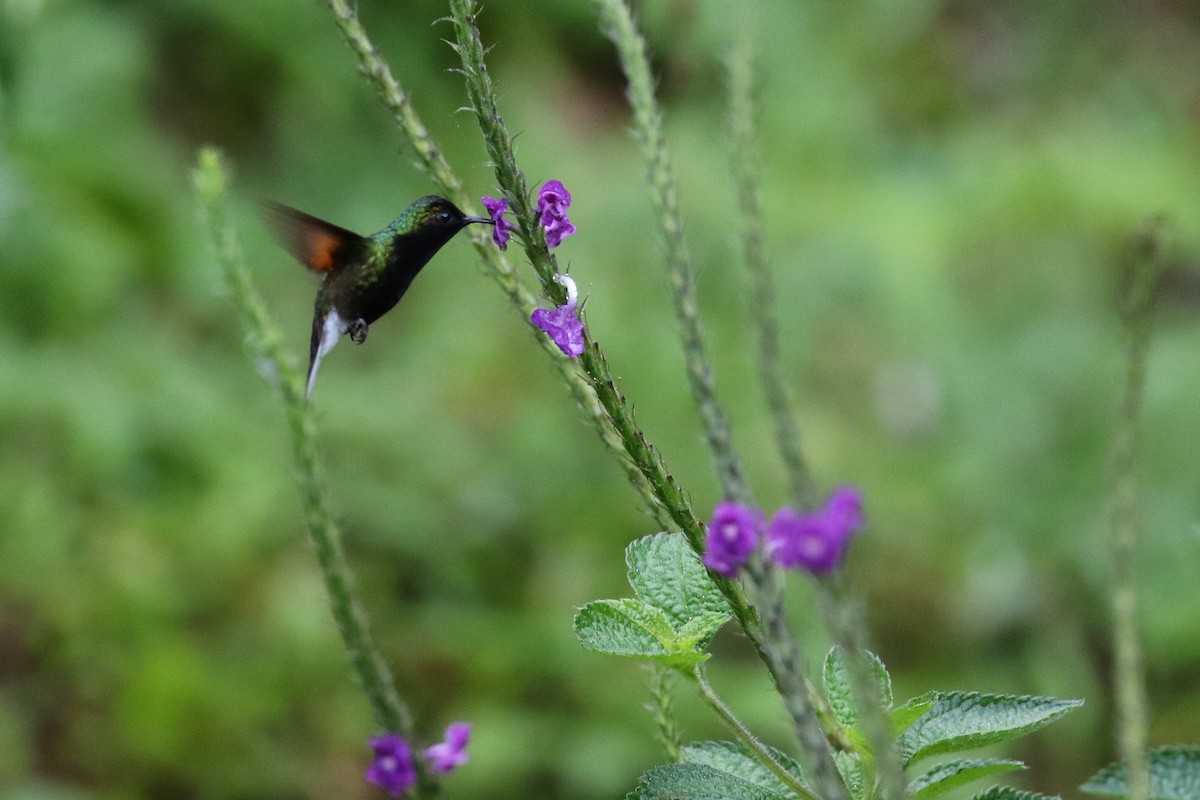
(444, 216)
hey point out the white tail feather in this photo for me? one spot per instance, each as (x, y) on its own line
(331, 330)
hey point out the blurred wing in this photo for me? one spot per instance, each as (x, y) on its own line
(317, 244)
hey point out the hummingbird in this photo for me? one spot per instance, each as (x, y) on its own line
(364, 276)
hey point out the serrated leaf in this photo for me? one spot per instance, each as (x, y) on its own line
(908, 713)
(850, 767)
(698, 631)
(1174, 775)
(840, 689)
(737, 760)
(965, 720)
(633, 629)
(698, 782)
(665, 572)
(945, 777)
(625, 627)
(1009, 793)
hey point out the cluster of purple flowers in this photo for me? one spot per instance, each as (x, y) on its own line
(393, 768)
(561, 324)
(552, 205)
(814, 541)
(553, 201)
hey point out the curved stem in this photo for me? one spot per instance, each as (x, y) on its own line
(747, 738)
(391, 713)
(746, 177)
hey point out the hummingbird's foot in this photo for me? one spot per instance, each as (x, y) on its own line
(357, 330)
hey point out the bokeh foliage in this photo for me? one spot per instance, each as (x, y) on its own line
(949, 189)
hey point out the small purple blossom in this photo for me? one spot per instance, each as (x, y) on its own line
(816, 541)
(446, 755)
(496, 208)
(732, 536)
(562, 324)
(845, 508)
(553, 201)
(392, 769)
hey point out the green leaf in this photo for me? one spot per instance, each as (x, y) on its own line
(737, 760)
(945, 777)
(665, 572)
(698, 631)
(908, 713)
(1009, 793)
(840, 688)
(624, 627)
(633, 629)
(966, 720)
(854, 775)
(1174, 775)
(698, 782)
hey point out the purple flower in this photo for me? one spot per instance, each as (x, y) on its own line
(496, 207)
(562, 324)
(553, 201)
(732, 536)
(816, 541)
(845, 508)
(392, 768)
(446, 755)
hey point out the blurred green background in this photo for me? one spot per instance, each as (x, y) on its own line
(949, 190)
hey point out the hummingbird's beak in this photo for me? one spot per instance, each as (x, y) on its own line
(484, 220)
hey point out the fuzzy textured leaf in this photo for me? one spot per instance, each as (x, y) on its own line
(624, 627)
(1009, 793)
(698, 782)
(698, 631)
(665, 572)
(966, 720)
(840, 688)
(912, 710)
(738, 761)
(850, 767)
(1174, 775)
(946, 777)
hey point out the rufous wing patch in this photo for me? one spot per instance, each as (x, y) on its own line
(319, 245)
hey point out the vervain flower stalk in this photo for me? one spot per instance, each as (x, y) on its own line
(618, 413)
(839, 606)
(780, 649)
(745, 166)
(1140, 288)
(266, 343)
(774, 643)
(433, 164)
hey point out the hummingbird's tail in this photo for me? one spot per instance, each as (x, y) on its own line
(325, 333)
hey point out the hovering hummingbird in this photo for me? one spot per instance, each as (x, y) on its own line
(365, 276)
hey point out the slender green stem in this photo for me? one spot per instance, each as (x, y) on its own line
(432, 162)
(617, 412)
(647, 128)
(780, 649)
(840, 612)
(1143, 270)
(662, 709)
(747, 176)
(785, 659)
(747, 738)
(267, 347)
(375, 69)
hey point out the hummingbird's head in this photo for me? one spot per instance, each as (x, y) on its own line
(433, 213)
